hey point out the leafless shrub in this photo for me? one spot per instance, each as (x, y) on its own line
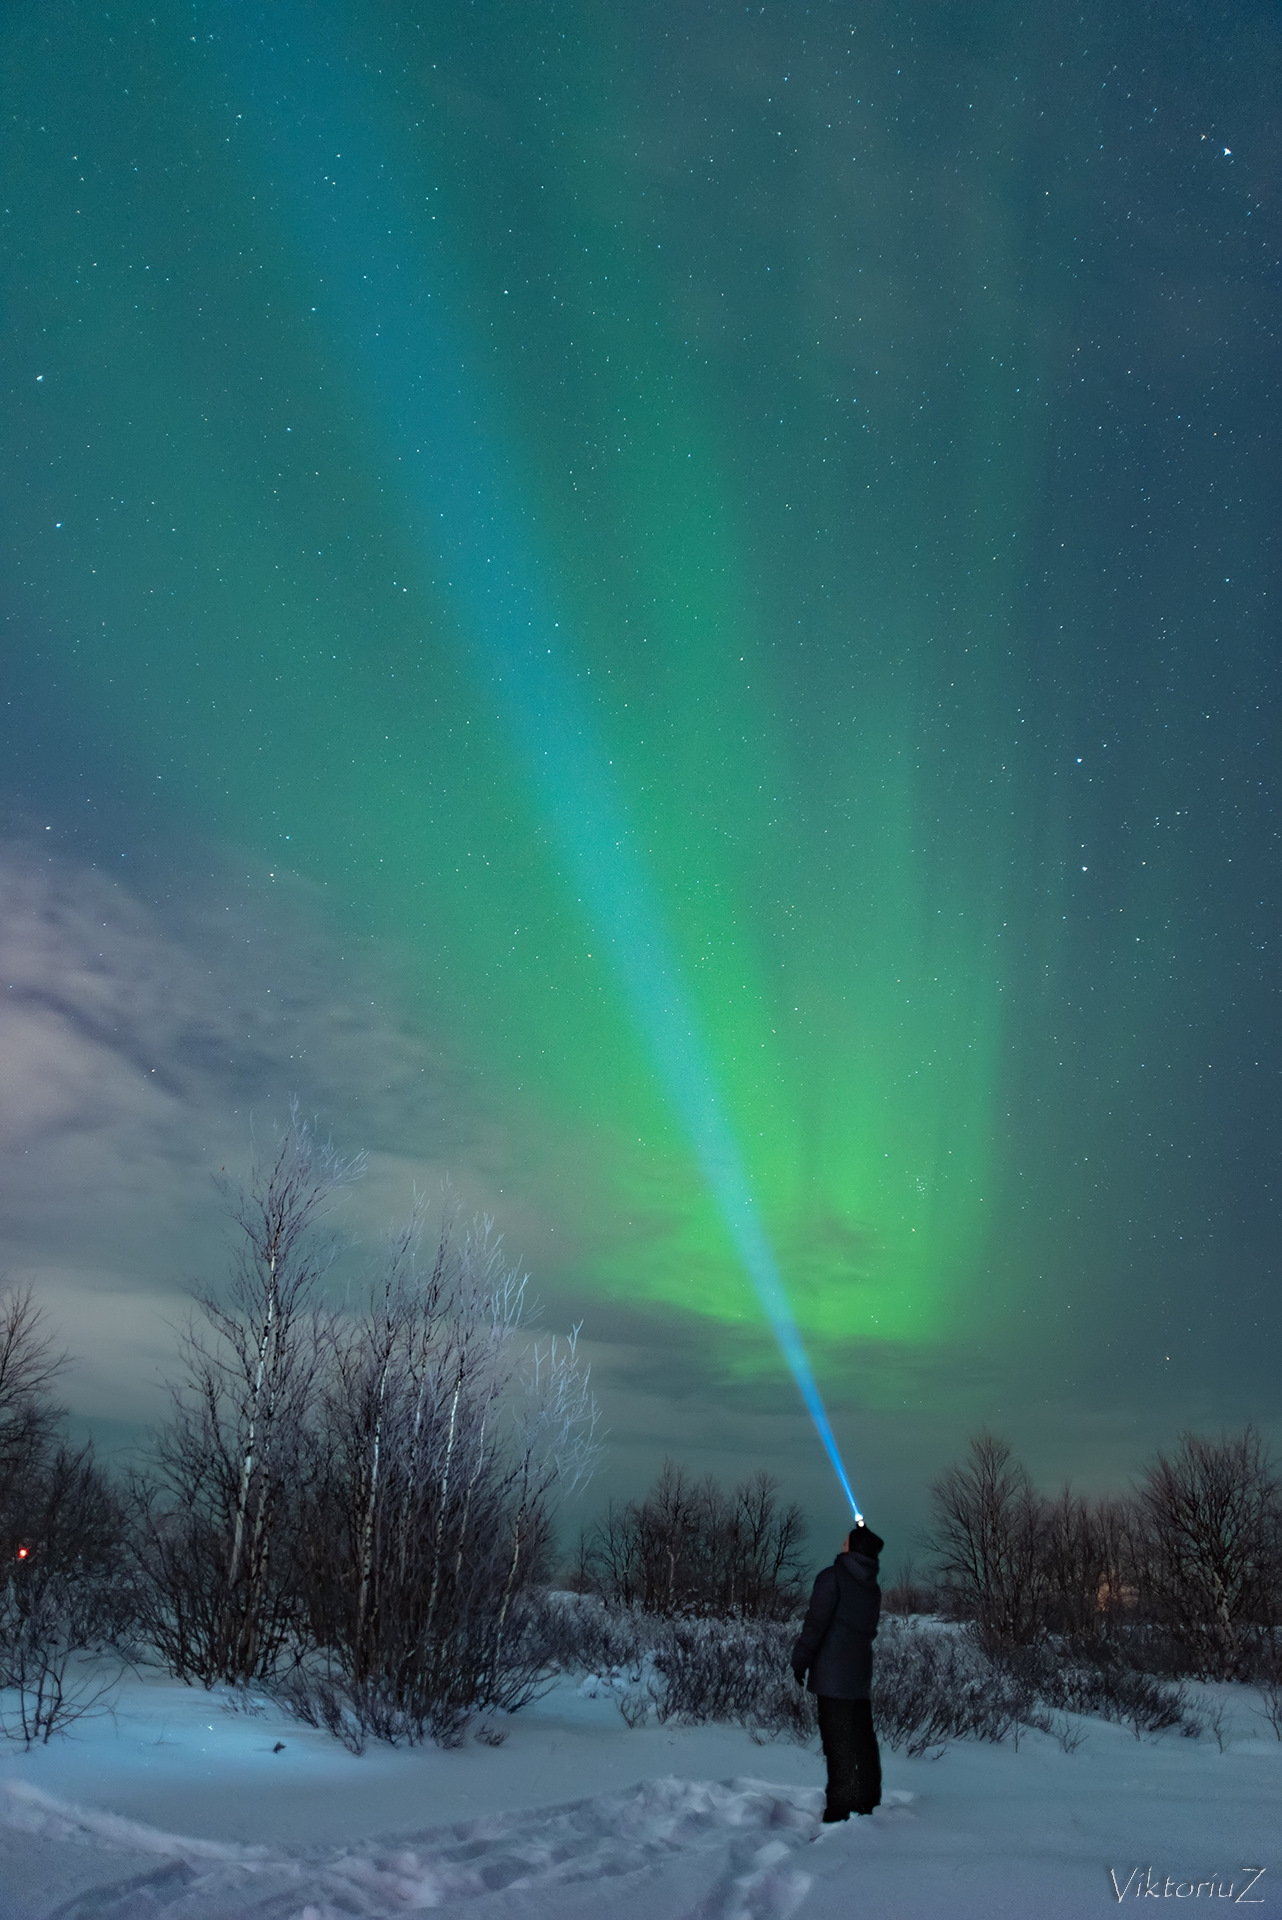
(242, 1699)
(1270, 1708)
(578, 1633)
(1213, 1718)
(320, 1701)
(1155, 1708)
(45, 1683)
(928, 1688)
(1092, 1679)
(719, 1669)
(691, 1548)
(931, 1687)
(1069, 1734)
(635, 1705)
(357, 1712)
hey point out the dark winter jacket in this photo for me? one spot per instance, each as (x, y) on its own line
(835, 1643)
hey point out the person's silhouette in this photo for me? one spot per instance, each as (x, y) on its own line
(833, 1659)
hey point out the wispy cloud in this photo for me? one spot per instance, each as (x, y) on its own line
(136, 1041)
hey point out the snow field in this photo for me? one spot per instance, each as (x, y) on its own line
(178, 1809)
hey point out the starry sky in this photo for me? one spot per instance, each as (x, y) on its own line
(580, 581)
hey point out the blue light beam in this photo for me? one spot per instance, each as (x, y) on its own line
(380, 283)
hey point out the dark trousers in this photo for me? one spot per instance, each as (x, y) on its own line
(850, 1748)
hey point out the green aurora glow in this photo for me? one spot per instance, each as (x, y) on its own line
(782, 325)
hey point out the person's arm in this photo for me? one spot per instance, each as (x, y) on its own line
(823, 1604)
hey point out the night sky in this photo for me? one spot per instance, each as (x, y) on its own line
(611, 592)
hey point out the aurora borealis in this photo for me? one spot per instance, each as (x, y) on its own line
(728, 554)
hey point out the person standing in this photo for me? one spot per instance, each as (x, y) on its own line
(833, 1660)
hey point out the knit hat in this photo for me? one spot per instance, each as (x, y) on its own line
(864, 1540)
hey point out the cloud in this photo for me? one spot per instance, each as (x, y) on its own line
(137, 1038)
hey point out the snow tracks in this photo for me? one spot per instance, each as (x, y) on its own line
(681, 1849)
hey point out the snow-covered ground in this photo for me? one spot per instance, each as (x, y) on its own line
(179, 1809)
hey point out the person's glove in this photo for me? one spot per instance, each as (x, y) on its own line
(799, 1675)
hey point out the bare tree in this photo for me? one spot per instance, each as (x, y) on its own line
(215, 1519)
(555, 1422)
(62, 1592)
(645, 1553)
(438, 1449)
(29, 1365)
(689, 1547)
(765, 1563)
(1086, 1564)
(1210, 1567)
(987, 1539)
(65, 1594)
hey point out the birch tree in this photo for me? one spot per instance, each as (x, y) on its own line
(988, 1540)
(217, 1518)
(441, 1438)
(692, 1548)
(1210, 1550)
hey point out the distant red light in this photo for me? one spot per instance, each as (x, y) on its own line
(23, 1552)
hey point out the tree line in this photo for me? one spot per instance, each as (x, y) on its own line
(690, 1548)
(1183, 1575)
(355, 1509)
